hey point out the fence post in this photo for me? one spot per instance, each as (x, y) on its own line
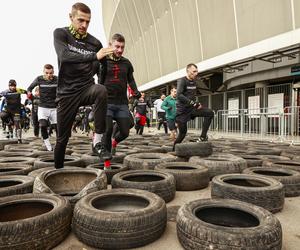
(242, 121)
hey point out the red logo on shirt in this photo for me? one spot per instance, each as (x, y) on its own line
(116, 71)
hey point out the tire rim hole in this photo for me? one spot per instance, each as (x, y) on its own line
(68, 183)
(120, 203)
(246, 183)
(6, 183)
(181, 168)
(143, 178)
(23, 210)
(9, 169)
(271, 173)
(227, 217)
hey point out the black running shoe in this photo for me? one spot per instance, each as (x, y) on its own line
(102, 152)
(202, 138)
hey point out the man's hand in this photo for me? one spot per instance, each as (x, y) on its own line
(137, 95)
(199, 106)
(104, 52)
(196, 105)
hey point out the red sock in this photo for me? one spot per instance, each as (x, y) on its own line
(114, 143)
(107, 164)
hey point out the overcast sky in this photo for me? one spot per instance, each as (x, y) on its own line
(27, 36)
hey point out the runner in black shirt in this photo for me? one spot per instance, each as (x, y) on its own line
(79, 55)
(12, 108)
(140, 107)
(187, 108)
(119, 74)
(47, 84)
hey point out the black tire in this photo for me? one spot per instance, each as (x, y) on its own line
(294, 165)
(265, 150)
(188, 176)
(18, 147)
(15, 184)
(115, 168)
(48, 161)
(12, 161)
(43, 223)
(273, 158)
(221, 163)
(252, 160)
(4, 142)
(290, 152)
(92, 158)
(40, 153)
(5, 153)
(18, 169)
(240, 151)
(118, 157)
(149, 149)
(73, 183)
(202, 149)
(126, 151)
(160, 183)
(36, 172)
(288, 177)
(261, 191)
(227, 224)
(119, 218)
(147, 160)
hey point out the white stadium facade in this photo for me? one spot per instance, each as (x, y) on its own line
(247, 53)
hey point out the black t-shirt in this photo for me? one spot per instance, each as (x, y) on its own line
(118, 75)
(141, 106)
(77, 62)
(186, 92)
(13, 100)
(47, 90)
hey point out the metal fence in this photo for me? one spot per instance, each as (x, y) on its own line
(263, 123)
(281, 124)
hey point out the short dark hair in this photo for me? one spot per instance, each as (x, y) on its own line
(81, 7)
(12, 82)
(48, 66)
(191, 65)
(118, 37)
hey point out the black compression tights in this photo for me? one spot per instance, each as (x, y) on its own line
(121, 134)
(182, 128)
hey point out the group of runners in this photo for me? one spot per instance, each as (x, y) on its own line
(81, 56)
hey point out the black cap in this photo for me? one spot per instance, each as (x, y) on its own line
(12, 82)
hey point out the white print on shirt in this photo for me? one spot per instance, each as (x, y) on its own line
(80, 51)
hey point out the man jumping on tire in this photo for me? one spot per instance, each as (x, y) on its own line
(188, 108)
(79, 57)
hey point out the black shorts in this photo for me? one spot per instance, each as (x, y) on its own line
(190, 114)
(118, 111)
(171, 124)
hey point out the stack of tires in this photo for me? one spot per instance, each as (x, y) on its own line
(248, 181)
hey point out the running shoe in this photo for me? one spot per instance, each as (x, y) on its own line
(48, 145)
(202, 138)
(102, 152)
